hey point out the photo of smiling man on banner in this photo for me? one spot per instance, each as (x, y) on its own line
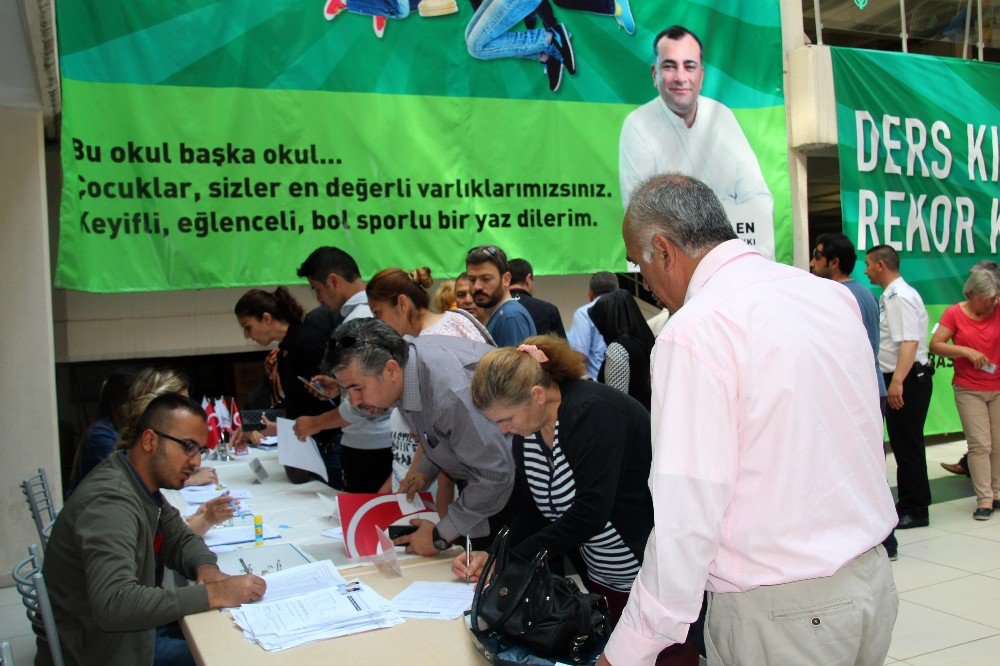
(683, 131)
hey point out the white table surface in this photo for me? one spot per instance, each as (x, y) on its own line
(301, 518)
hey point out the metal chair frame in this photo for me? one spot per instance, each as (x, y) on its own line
(6, 656)
(43, 511)
(35, 597)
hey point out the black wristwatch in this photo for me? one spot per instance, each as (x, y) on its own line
(439, 541)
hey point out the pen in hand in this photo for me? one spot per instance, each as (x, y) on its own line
(468, 556)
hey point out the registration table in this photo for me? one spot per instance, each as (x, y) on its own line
(301, 517)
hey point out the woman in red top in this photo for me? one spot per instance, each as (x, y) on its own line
(973, 327)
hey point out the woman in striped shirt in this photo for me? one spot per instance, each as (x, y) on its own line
(582, 451)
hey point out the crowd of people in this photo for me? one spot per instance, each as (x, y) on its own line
(706, 478)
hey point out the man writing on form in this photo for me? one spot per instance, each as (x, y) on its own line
(111, 542)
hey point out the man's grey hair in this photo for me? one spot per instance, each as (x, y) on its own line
(603, 282)
(368, 341)
(682, 209)
(984, 279)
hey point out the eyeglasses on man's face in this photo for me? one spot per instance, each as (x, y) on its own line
(817, 254)
(191, 447)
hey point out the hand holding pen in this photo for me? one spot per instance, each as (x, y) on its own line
(472, 570)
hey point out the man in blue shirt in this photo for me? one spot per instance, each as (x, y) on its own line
(509, 323)
(834, 258)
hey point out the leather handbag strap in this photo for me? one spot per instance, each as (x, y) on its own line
(499, 544)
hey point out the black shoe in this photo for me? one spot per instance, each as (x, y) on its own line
(996, 505)
(893, 554)
(554, 70)
(982, 513)
(560, 38)
(906, 521)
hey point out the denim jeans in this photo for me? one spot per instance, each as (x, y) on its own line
(488, 36)
(171, 647)
(397, 9)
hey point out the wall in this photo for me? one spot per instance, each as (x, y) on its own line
(27, 381)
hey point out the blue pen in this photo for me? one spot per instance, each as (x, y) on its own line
(236, 509)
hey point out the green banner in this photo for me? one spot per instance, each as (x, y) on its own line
(919, 166)
(214, 143)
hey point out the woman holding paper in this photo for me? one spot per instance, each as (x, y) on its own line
(973, 329)
(582, 451)
(276, 317)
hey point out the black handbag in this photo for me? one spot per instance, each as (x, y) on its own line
(524, 603)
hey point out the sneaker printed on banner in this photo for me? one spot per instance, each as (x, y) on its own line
(561, 40)
(332, 8)
(554, 70)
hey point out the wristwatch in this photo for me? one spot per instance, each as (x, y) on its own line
(439, 541)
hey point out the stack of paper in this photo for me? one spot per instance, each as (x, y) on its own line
(288, 618)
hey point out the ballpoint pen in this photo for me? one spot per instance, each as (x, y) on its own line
(468, 556)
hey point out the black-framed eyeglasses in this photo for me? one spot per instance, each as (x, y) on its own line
(191, 447)
(817, 254)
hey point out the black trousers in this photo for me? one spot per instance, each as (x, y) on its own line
(365, 470)
(906, 437)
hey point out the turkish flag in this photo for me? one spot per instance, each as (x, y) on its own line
(214, 431)
(237, 421)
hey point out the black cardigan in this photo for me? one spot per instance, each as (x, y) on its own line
(605, 437)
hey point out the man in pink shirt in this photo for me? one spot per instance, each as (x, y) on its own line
(768, 478)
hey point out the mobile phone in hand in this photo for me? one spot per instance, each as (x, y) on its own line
(396, 531)
(314, 386)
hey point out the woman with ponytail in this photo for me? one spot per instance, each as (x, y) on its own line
(276, 317)
(582, 451)
(400, 299)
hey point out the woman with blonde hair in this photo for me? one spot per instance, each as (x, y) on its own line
(973, 329)
(444, 297)
(582, 451)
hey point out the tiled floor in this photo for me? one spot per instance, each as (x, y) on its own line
(948, 577)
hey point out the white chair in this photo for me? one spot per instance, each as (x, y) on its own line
(43, 511)
(6, 656)
(35, 597)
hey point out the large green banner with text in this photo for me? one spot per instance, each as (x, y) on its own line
(212, 143)
(919, 167)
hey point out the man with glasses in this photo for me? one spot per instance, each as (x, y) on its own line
(110, 544)
(428, 379)
(509, 323)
